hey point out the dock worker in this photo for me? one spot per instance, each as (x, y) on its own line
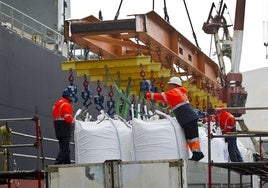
(227, 124)
(176, 97)
(63, 123)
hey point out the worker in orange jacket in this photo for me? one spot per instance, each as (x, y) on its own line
(186, 116)
(63, 121)
(227, 124)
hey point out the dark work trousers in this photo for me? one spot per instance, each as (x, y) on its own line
(234, 153)
(187, 118)
(191, 130)
(63, 132)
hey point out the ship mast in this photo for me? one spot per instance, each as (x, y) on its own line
(238, 35)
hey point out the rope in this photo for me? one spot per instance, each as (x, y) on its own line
(117, 134)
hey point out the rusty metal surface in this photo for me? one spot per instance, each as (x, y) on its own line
(146, 34)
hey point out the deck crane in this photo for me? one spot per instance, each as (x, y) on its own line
(232, 91)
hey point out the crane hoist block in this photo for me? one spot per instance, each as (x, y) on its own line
(234, 93)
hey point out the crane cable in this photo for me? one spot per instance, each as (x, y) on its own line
(165, 12)
(191, 24)
(118, 10)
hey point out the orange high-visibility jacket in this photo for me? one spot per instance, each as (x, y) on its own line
(174, 97)
(62, 110)
(226, 120)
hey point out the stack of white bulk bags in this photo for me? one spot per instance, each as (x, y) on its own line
(149, 139)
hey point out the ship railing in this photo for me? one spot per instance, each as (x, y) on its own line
(6, 145)
(30, 28)
(42, 157)
(11, 150)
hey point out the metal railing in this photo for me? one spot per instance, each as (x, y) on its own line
(6, 144)
(244, 167)
(30, 28)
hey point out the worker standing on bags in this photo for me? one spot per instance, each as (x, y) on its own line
(186, 116)
(63, 123)
(227, 124)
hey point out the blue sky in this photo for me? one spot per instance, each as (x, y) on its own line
(253, 51)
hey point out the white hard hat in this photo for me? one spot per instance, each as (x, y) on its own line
(175, 80)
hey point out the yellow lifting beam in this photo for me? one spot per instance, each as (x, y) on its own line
(127, 67)
(107, 70)
(199, 97)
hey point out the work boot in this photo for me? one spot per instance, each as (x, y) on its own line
(197, 156)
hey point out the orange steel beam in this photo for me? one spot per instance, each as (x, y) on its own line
(146, 34)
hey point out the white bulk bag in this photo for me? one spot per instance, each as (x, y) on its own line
(158, 139)
(218, 146)
(246, 152)
(102, 140)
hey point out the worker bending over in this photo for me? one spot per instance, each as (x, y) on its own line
(227, 124)
(186, 116)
